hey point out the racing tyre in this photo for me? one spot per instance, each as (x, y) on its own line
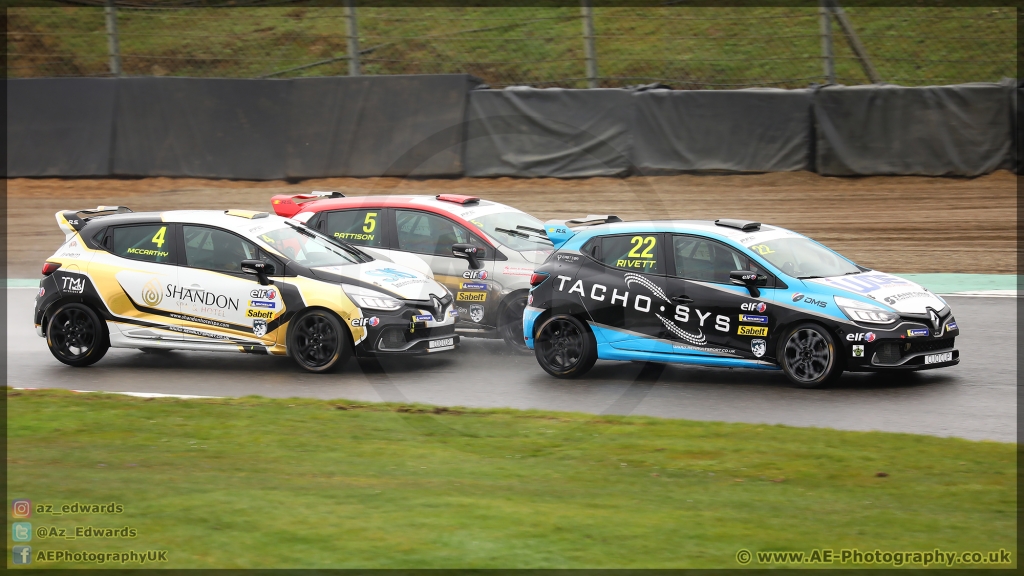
(317, 341)
(808, 356)
(76, 336)
(510, 324)
(565, 347)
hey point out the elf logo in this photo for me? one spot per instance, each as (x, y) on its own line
(371, 321)
(861, 337)
(754, 306)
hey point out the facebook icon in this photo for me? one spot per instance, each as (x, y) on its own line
(21, 554)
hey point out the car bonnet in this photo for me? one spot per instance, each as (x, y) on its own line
(404, 282)
(898, 293)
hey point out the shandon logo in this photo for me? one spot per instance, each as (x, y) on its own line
(152, 292)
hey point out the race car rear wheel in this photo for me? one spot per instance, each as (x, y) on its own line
(76, 336)
(808, 356)
(565, 347)
(510, 324)
(317, 341)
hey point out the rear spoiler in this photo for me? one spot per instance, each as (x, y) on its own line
(288, 205)
(71, 221)
(559, 231)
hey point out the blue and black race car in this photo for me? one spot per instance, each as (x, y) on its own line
(726, 293)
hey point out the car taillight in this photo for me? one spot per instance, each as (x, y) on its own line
(50, 268)
(537, 278)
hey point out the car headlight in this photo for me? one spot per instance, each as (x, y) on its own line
(863, 312)
(366, 298)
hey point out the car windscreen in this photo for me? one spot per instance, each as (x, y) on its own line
(803, 258)
(310, 249)
(516, 230)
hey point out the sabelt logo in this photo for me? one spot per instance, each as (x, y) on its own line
(265, 314)
(752, 330)
(152, 292)
(472, 296)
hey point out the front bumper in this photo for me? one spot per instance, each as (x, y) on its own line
(402, 333)
(893, 354)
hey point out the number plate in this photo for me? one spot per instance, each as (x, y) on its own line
(938, 358)
(441, 344)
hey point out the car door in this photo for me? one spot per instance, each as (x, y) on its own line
(217, 302)
(143, 263)
(720, 316)
(430, 237)
(621, 284)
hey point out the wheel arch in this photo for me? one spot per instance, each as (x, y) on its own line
(837, 341)
(100, 310)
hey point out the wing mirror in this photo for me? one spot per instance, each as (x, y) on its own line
(468, 252)
(259, 269)
(749, 279)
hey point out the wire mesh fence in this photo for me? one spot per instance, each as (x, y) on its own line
(682, 47)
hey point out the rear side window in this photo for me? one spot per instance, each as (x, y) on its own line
(429, 234)
(636, 252)
(362, 227)
(152, 243)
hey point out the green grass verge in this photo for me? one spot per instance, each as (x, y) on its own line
(261, 483)
(685, 47)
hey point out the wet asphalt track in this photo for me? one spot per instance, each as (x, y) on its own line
(976, 399)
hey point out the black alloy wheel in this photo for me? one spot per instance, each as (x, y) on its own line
(809, 356)
(510, 325)
(76, 336)
(317, 341)
(565, 347)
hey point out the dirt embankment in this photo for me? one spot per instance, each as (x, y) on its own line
(897, 224)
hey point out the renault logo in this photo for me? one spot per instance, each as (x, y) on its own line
(936, 323)
(438, 309)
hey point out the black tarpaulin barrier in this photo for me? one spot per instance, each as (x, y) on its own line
(962, 130)
(59, 126)
(550, 132)
(377, 125)
(754, 130)
(201, 127)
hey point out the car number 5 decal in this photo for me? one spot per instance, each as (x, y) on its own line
(370, 222)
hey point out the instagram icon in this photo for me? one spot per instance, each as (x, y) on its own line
(21, 508)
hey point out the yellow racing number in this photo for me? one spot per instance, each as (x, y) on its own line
(639, 242)
(762, 249)
(158, 238)
(370, 222)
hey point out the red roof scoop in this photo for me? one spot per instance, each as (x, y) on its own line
(287, 205)
(457, 198)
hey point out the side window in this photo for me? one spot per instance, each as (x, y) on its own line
(637, 252)
(151, 242)
(426, 233)
(706, 260)
(214, 249)
(361, 227)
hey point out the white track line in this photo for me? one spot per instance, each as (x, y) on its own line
(136, 394)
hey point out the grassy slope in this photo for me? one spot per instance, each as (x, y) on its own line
(287, 483)
(685, 47)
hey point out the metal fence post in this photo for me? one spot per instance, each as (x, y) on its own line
(112, 44)
(826, 42)
(855, 45)
(588, 43)
(353, 38)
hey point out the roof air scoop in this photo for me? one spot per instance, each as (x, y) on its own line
(745, 225)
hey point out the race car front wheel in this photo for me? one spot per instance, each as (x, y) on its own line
(317, 341)
(76, 336)
(808, 356)
(565, 347)
(511, 324)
